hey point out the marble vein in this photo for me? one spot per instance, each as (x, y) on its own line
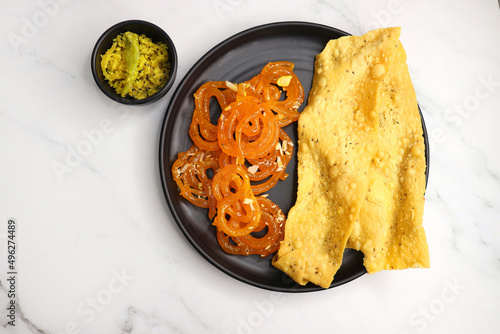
(33, 328)
(139, 321)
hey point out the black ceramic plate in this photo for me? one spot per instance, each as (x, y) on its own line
(238, 59)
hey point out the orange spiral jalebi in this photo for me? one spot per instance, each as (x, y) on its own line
(274, 78)
(202, 131)
(247, 130)
(247, 152)
(265, 172)
(190, 172)
(264, 240)
(238, 212)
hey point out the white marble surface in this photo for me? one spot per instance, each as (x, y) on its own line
(97, 249)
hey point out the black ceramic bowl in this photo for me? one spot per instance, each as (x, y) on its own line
(106, 40)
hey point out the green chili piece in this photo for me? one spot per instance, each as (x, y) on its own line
(132, 57)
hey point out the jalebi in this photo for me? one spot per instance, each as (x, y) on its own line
(238, 212)
(202, 131)
(274, 79)
(247, 151)
(264, 240)
(265, 172)
(191, 173)
(247, 129)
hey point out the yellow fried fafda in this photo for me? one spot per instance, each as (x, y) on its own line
(361, 164)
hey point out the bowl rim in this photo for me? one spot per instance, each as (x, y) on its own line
(115, 29)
